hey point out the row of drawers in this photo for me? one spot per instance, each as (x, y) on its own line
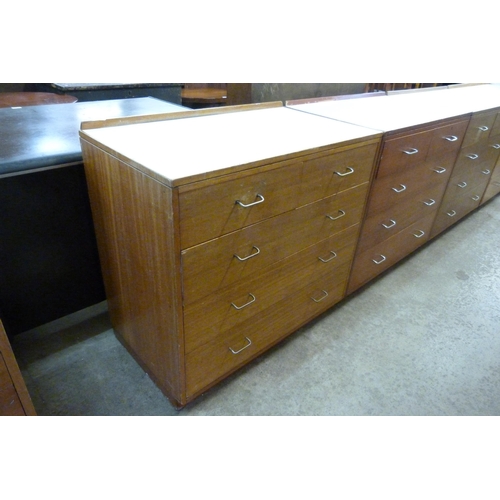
(412, 177)
(265, 252)
(210, 209)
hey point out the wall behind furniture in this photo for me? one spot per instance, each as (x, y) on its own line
(265, 92)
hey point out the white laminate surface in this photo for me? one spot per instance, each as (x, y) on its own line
(198, 147)
(399, 111)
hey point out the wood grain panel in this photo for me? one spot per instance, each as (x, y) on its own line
(213, 265)
(133, 217)
(372, 262)
(214, 360)
(210, 209)
(215, 314)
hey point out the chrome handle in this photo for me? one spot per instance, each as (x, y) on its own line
(484, 128)
(260, 200)
(462, 184)
(349, 171)
(341, 212)
(419, 235)
(473, 156)
(243, 348)
(475, 198)
(452, 213)
(248, 256)
(486, 172)
(439, 170)
(251, 301)
(430, 202)
(410, 151)
(328, 260)
(403, 188)
(322, 298)
(451, 138)
(393, 223)
(381, 260)
(496, 146)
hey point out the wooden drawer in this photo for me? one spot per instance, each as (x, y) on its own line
(218, 263)
(222, 355)
(386, 224)
(480, 128)
(392, 191)
(403, 153)
(213, 208)
(370, 263)
(215, 314)
(447, 139)
(457, 202)
(493, 187)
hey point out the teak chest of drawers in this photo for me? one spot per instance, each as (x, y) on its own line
(220, 232)
(438, 153)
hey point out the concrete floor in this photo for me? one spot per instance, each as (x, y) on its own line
(423, 339)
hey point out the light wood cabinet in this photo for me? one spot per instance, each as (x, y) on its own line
(222, 232)
(14, 397)
(473, 170)
(417, 155)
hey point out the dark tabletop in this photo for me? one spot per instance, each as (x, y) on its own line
(40, 136)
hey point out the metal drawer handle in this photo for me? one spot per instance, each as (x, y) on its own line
(452, 213)
(496, 146)
(430, 202)
(484, 128)
(328, 260)
(419, 235)
(410, 151)
(349, 171)
(248, 256)
(260, 200)
(439, 170)
(486, 172)
(243, 348)
(473, 156)
(451, 138)
(403, 188)
(475, 198)
(325, 295)
(462, 184)
(381, 260)
(341, 212)
(251, 301)
(393, 223)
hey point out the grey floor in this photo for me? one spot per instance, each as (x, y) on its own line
(424, 339)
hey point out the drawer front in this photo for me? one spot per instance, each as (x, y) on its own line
(217, 313)
(447, 140)
(325, 175)
(208, 210)
(493, 187)
(219, 357)
(392, 191)
(221, 262)
(403, 153)
(213, 208)
(480, 128)
(386, 224)
(454, 207)
(370, 263)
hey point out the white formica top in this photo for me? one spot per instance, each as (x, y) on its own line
(198, 147)
(402, 110)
